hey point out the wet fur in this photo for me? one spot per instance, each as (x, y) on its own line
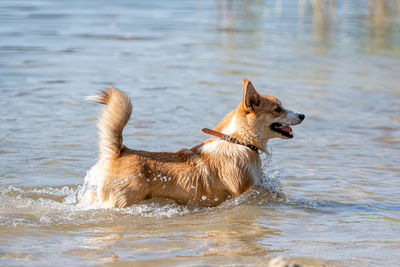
(208, 174)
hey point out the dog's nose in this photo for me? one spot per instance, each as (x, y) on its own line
(302, 116)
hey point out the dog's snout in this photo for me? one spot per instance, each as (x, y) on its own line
(301, 116)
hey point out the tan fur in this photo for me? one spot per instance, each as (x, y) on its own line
(112, 120)
(208, 174)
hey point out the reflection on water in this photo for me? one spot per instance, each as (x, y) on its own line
(375, 25)
(331, 194)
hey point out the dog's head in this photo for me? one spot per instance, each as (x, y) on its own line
(262, 117)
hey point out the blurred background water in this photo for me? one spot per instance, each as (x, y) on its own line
(182, 62)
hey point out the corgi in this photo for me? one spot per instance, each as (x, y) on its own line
(222, 167)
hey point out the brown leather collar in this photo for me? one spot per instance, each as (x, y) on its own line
(228, 138)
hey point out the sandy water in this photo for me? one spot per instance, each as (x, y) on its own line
(332, 194)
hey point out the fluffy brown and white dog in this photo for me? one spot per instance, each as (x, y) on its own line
(222, 167)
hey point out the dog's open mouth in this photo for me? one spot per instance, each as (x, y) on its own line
(284, 130)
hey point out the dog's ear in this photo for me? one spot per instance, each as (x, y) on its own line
(251, 98)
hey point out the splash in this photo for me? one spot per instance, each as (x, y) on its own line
(271, 184)
(48, 205)
(57, 206)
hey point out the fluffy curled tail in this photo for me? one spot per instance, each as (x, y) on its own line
(112, 120)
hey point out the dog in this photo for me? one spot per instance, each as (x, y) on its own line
(222, 167)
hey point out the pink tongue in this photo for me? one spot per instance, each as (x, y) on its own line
(285, 128)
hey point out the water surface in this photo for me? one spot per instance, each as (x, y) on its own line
(332, 194)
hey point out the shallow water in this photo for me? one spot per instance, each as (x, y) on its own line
(332, 194)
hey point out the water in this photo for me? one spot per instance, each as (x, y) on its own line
(332, 194)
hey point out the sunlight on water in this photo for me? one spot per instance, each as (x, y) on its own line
(330, 196)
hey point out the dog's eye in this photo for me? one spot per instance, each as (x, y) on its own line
(278, 109)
